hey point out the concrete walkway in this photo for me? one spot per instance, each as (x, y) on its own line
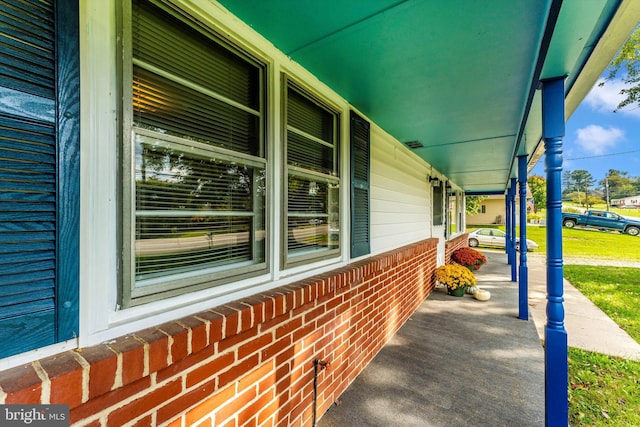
(462, 362)
(456, 362)
(587, 326)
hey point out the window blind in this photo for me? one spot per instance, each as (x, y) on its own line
(313, 226)
(200, 167)
(187, 85)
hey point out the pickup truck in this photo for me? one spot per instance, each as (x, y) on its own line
(602, 220)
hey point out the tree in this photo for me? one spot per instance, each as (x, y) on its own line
(575, 197)
(538, 187)
(595, 199)
(627, 63)
(473, 204)
(578, 181)
(618, 184)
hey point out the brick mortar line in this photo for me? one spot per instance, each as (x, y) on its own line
(145, 355)
(86, 366)
(207, 328)
(45, 393)
(189, 335)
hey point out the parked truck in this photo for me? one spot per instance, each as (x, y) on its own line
(601, 220)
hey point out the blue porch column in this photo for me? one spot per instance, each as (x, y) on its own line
(556, 351)
(523, 271)
(512, 219)
(507, 222)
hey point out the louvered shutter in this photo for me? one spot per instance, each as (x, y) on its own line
(36, 188)
(360, 162)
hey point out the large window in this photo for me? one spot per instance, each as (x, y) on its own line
(312, 185)
(195, 163)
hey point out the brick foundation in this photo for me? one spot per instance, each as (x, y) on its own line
(248, 363)
(461, 241)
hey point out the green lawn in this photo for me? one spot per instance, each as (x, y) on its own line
(591, 243)
(627, 212)
(603, 207)
(615, 290)
(584, 243)
(603, 390)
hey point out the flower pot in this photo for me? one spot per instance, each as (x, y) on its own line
(457, 292)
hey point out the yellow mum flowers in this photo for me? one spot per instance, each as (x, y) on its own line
(455, 276)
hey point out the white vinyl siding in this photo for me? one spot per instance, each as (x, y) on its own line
(400, 195)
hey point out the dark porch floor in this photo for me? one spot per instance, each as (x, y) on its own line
(456, 362)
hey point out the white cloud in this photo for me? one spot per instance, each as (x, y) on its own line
(605, 99)
(597, 140)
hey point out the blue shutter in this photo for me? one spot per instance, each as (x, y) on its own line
(38, 174)
(360, 163)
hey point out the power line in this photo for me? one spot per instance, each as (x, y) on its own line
(604, 155)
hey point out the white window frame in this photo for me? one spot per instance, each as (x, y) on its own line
(135, 292)
(333, 179)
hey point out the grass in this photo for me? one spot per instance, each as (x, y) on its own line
(615, 290)
(633, 213)
(603, 207)
(599, 244)
(584, 243)
(627, 212)
(603, 390)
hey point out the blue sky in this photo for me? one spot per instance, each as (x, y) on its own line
(597, 139)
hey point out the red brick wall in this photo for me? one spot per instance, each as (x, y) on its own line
(248, 363)
(460, 241)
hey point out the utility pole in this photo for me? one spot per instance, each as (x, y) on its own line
(606, 190)
(586, 194)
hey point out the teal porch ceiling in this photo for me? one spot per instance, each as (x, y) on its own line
(459, 76)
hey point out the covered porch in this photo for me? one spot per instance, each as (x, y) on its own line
(455, 362)
(462, 362)
(330, 146)
(480, 93)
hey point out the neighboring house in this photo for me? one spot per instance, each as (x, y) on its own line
(627, 202)
(200, 199)
(493, 210)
